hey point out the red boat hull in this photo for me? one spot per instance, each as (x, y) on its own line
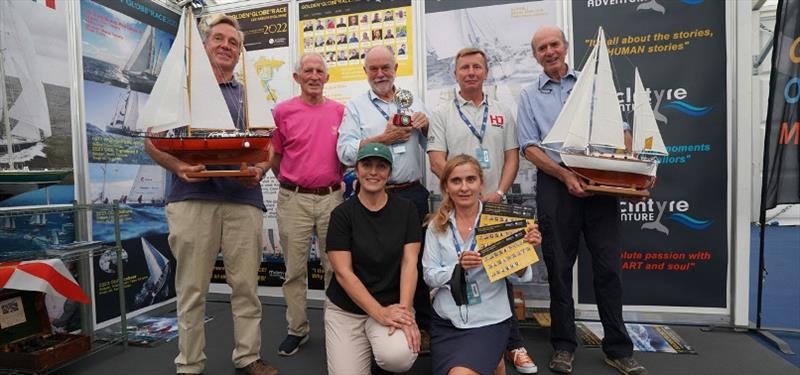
(216, 151)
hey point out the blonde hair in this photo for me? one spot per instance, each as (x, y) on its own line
(471, 51)
(440, 218)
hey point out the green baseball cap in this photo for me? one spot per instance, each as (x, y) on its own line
(374, 150)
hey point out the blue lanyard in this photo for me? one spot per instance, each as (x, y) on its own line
(469, 124)
(383, 113)
(456, 244)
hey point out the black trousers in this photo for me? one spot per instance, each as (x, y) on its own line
(515, 336)
(422, 300)
(562, 219)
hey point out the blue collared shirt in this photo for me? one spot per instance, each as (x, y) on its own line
(362, 120)
(438, 261)
(539, 107)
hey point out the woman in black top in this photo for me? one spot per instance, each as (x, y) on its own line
(373, 245)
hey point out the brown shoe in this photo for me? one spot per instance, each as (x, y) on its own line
(258, 367)
(424, 342)
(561, 362)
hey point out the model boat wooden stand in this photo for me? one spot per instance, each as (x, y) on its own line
(625, 185)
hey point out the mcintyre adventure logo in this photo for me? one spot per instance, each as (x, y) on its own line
(667, 99)
(652, 213)
(657, 6)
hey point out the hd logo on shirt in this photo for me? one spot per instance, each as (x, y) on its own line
(496, 120)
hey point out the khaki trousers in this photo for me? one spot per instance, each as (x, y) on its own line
(298, 216)
(351, 340)
(197, 231)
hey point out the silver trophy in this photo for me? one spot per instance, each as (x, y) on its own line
(403, 98)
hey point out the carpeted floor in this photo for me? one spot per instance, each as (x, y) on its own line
(719, 352)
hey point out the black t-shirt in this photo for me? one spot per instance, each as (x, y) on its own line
(375, 241)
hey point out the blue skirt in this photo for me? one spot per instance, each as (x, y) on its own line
(479, 349)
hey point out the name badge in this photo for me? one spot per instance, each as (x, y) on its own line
(399, 148)
(473, 293)
(482, 155)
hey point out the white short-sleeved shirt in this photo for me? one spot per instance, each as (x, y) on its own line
(449, 133)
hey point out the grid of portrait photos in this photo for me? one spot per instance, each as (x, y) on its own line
(344, 40)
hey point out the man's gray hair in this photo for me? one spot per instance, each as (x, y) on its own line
(385, 48)
(563, 36)
(298, 66)
(209, 22)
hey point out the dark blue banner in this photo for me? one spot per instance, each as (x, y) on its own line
(781, 156)
(675, 246)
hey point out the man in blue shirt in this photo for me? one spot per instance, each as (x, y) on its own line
(566, 211)
(368, 119)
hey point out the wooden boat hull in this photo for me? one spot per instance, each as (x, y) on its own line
(628, 177)
(611, 178)
(216, 151)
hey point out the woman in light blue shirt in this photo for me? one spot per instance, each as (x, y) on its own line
(471, 338)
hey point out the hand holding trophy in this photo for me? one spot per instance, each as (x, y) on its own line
(403, 98)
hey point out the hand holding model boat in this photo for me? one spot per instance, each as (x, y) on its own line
(200, 117)
(589, 135)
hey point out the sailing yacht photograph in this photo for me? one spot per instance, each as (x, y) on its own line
(144, 64)
(495, 29)
(139, 188)
(130, 56)
(35, 140)
(110, 126)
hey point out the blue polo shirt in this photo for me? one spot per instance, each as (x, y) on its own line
(223, 189)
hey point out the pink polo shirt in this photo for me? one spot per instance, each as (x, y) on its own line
(306, 139)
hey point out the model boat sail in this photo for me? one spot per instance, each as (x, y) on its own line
(589, 133)
(22, 141)
(186, 94)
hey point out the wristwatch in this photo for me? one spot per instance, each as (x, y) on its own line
(501, 193)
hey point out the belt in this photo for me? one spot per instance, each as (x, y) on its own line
(404, 185)
(317, 191)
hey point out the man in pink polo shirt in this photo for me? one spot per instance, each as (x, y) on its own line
(310, 175)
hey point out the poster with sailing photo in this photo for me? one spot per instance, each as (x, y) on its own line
(124, 45)
(122, 50)
(35, 129)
